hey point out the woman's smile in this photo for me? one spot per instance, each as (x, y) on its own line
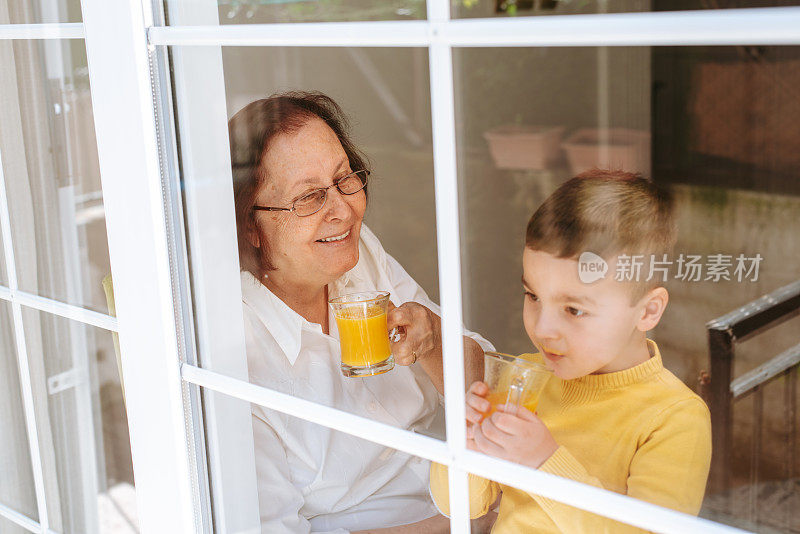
(336, 239)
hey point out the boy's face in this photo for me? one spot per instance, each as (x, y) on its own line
(582, 328)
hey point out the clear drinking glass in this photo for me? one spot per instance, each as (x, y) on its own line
(363, 333)
(513, 380)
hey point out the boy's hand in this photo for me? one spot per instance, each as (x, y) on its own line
(521, 438)
(476, 408)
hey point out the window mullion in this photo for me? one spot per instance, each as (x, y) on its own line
(573, 493)
(449, 261)
(764, 26)
(62, 30)
(210, 233)
(22, 357)
(603, 502)
(20, 519)
(138, 242)
(62, 309)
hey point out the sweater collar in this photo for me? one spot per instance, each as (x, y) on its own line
(625, 377)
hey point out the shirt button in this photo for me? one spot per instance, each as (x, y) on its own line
(372, 407)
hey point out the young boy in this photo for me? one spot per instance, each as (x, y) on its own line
(611, 416)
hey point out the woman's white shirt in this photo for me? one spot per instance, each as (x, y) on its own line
(312, 478)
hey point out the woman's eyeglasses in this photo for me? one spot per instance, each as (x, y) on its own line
(312, 202)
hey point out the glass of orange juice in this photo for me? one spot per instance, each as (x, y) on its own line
(363, 333)
(514, 380)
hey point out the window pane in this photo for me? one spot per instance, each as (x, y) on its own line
(532, 8)
(259, 12)
(389, 112)
(11, 527)
(83, 431)
(384, 95)
(716, 127)
(3, 274)
(24, 12)
(16, 476)
(51, 171)
(352, 484)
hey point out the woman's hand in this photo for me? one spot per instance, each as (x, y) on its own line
(419, 339)
(419, 332)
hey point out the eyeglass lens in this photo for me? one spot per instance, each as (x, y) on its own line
(313, 202)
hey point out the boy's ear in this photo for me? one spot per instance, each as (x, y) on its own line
(654, 302)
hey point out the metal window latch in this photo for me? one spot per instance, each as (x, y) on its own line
(62, 381)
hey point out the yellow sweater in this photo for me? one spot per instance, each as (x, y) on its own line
(640, 432)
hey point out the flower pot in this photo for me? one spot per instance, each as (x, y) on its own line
(524, 147)
(627, 150)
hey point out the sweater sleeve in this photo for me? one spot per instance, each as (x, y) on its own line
(482, 492)
(669, 468)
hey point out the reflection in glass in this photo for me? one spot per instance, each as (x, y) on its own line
(3, 274)
(534, 8)
(83, 431)
(51, 172)
(16, 476)
(716, 126)
(332, 480)
(9, 526)
(271, 11)
(26, 12)
(385, 94)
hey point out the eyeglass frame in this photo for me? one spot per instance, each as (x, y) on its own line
(324, 199)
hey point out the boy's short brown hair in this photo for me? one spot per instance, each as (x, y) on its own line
(609, 213)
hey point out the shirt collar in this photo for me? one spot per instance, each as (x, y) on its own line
(283, 323)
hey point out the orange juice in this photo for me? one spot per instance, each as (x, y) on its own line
(364, 337)
(500, 397)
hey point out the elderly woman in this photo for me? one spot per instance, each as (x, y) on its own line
(300, 188)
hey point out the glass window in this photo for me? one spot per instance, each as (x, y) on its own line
(51, 172)
(16, 476)
(22, 12)
(12, 527)
(299, 485)
(384, 95)
(83, 431)
(259, 12)
(532, 8)
(389, 114)
(3, 274)
(9, 526)
(713, 126)
(708, 124)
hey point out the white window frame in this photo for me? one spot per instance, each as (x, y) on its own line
(18, 300)
(159, 369)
